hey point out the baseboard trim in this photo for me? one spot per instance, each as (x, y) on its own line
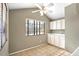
(24, 49)
(59, 47)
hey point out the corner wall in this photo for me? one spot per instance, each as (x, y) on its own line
(72, 26)
(18, 39)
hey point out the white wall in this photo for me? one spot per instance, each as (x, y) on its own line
(72, 26)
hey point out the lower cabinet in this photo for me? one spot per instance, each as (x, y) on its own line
(57, 40)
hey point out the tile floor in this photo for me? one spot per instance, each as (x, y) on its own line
(44, 50)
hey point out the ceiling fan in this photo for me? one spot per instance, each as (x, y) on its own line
(42, 9)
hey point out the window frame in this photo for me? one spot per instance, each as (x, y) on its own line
(36, 29)
(30, 30)
(3, 28)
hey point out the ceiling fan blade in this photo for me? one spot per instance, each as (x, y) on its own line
(38, 6)
(35, 11)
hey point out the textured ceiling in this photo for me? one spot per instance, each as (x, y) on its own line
(20, 5)
(58, 10)
(54, 12)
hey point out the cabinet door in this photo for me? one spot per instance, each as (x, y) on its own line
(53, 25)
(59, 24)
(52, 39)
(62, 41)
(57, 39)
(63, 24)
(49, 38)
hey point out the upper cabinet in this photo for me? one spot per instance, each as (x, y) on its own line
(57, 37)
(57, 25)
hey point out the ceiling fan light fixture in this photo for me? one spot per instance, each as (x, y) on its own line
(50, 4)
(41, 12)
(42, 9)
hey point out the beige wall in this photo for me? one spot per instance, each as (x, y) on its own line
(4, 51)
(72, 27)
(18, 39)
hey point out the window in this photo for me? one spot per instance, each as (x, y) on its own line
(42, 26)
(0, 31)
(37, 27)
(3, 24)
(34, 27)
(31, 27)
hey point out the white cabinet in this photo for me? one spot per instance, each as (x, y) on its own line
(53, 25)
(59, 24)
(57, 40)
(50, 38)
(62, 41)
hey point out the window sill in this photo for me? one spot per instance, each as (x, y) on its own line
(35, 35)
